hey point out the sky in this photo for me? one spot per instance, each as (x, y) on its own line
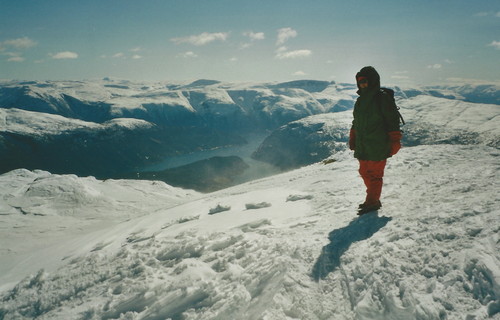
(408, 42)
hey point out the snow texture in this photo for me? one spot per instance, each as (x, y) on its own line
(284, 247)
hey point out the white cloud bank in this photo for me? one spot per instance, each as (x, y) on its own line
(188, 54)
(495, 44)
(16, 44)
(254, 36)
(19, 43)
(435, 66)
(283, 53)
(64, 55)
(284, 34)
(202, 39)
(16, 59)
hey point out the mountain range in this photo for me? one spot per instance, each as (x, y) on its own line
(114, 128)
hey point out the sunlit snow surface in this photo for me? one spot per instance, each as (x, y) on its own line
(288, 246)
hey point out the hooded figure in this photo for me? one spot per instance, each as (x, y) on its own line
(375, 134)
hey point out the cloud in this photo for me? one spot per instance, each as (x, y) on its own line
(202, 39)
(136, 57)
(16, 59)
(434, 66)
(299, 73)
(188, 54)
(64, 55)
(284, 34)
(245, 46)
(495, 44)
(118, 55)
(254, 36)
(282, 54)
(20, 43)
(488, 14)
(136, 49)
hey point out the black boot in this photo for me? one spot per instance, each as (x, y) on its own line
(366, 207)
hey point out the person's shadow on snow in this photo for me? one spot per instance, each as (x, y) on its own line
(341, 239)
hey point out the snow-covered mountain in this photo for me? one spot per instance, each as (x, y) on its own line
(478, 93)
(79, 126)
(203, 101)
(71, 126)
(284, 247)
(429, 120)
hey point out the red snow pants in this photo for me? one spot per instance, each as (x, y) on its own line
(372, 173)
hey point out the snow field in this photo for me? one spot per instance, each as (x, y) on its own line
(289, 247)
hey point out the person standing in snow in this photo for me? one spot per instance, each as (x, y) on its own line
(374, 136)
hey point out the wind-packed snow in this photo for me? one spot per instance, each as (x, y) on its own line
(42, 124)
(285, 247)
(452, 117)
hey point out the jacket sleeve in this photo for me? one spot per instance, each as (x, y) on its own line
(390, 114)
(352, 131)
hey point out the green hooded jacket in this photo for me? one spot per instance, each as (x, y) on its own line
(374, 116)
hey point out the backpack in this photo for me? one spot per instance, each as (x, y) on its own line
(390, 93)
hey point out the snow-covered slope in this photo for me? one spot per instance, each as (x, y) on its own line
(477, 93)
(284, 247)
(168, 103)
(306, 141)
(43, 124)
(438, 120)
(429, 120)
(39, 209)
(63, 145)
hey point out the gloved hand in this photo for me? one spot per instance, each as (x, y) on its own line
(352, 139)
(395, 140)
